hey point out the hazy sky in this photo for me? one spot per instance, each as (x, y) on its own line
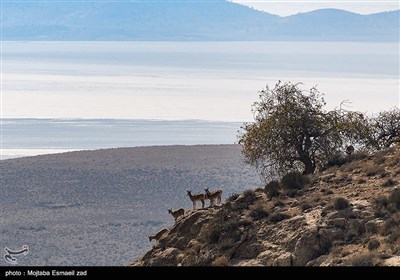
(289, 7)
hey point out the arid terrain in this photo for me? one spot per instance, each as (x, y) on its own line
(99, 207)
(346, 215)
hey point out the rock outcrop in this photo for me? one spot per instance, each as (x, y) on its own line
(347, 215)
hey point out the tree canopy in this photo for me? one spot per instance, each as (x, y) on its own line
(293, 132)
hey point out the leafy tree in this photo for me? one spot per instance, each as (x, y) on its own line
(292, 131)
(383, 130)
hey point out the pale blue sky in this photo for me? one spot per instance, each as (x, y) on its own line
(290, 7)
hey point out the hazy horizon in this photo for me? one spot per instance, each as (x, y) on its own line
(285, 8)
(214, 81)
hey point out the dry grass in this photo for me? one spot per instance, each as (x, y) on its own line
(220, 261)
(373, 170)
(366, 259)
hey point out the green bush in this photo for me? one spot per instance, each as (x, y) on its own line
(294, 180)
(272, 189)
(341, 203)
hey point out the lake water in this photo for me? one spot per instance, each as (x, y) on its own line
(212, 81)
(29, 137)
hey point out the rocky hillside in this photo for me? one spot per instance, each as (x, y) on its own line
(346, 215)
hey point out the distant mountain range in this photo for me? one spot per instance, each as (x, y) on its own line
(185, 21)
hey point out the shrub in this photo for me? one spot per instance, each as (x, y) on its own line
(337, 159)
(379, 159)
(384, 174)
(249, 197)
(362, 181)
(341, 203)
(224, 225)
(220, 261)
(259, 212)
(374, 170)
(394, 161)
(362, 260)
(389, 183)
(371, 228)
(291, 193)
(373, 244)
(233, 197)
(359, 155)
(304, 206)
(272, 189)
(277, 217)
(381, 202)
(394, 198)
(294, 180)
(394, 236)
(244, 201)
(390, 225)
(279, 203)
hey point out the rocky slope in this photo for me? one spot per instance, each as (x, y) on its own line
(347, 215)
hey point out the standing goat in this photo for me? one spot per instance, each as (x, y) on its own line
(213, 195)
(196, 197)
(176, 214)
(350, 150)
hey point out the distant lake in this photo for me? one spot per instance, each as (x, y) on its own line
(127, 82)
(188, 80)
(28, 137)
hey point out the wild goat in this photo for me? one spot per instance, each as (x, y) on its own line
(213, 195)
(350, 150)
(176, 214)
(158, 235)
(196, 197)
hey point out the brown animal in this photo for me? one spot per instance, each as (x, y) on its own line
(350, 150)
(217, 194)
(196, 197)
(176, 214)
(158, 235)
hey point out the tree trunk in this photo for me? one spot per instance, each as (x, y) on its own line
(309, 167)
